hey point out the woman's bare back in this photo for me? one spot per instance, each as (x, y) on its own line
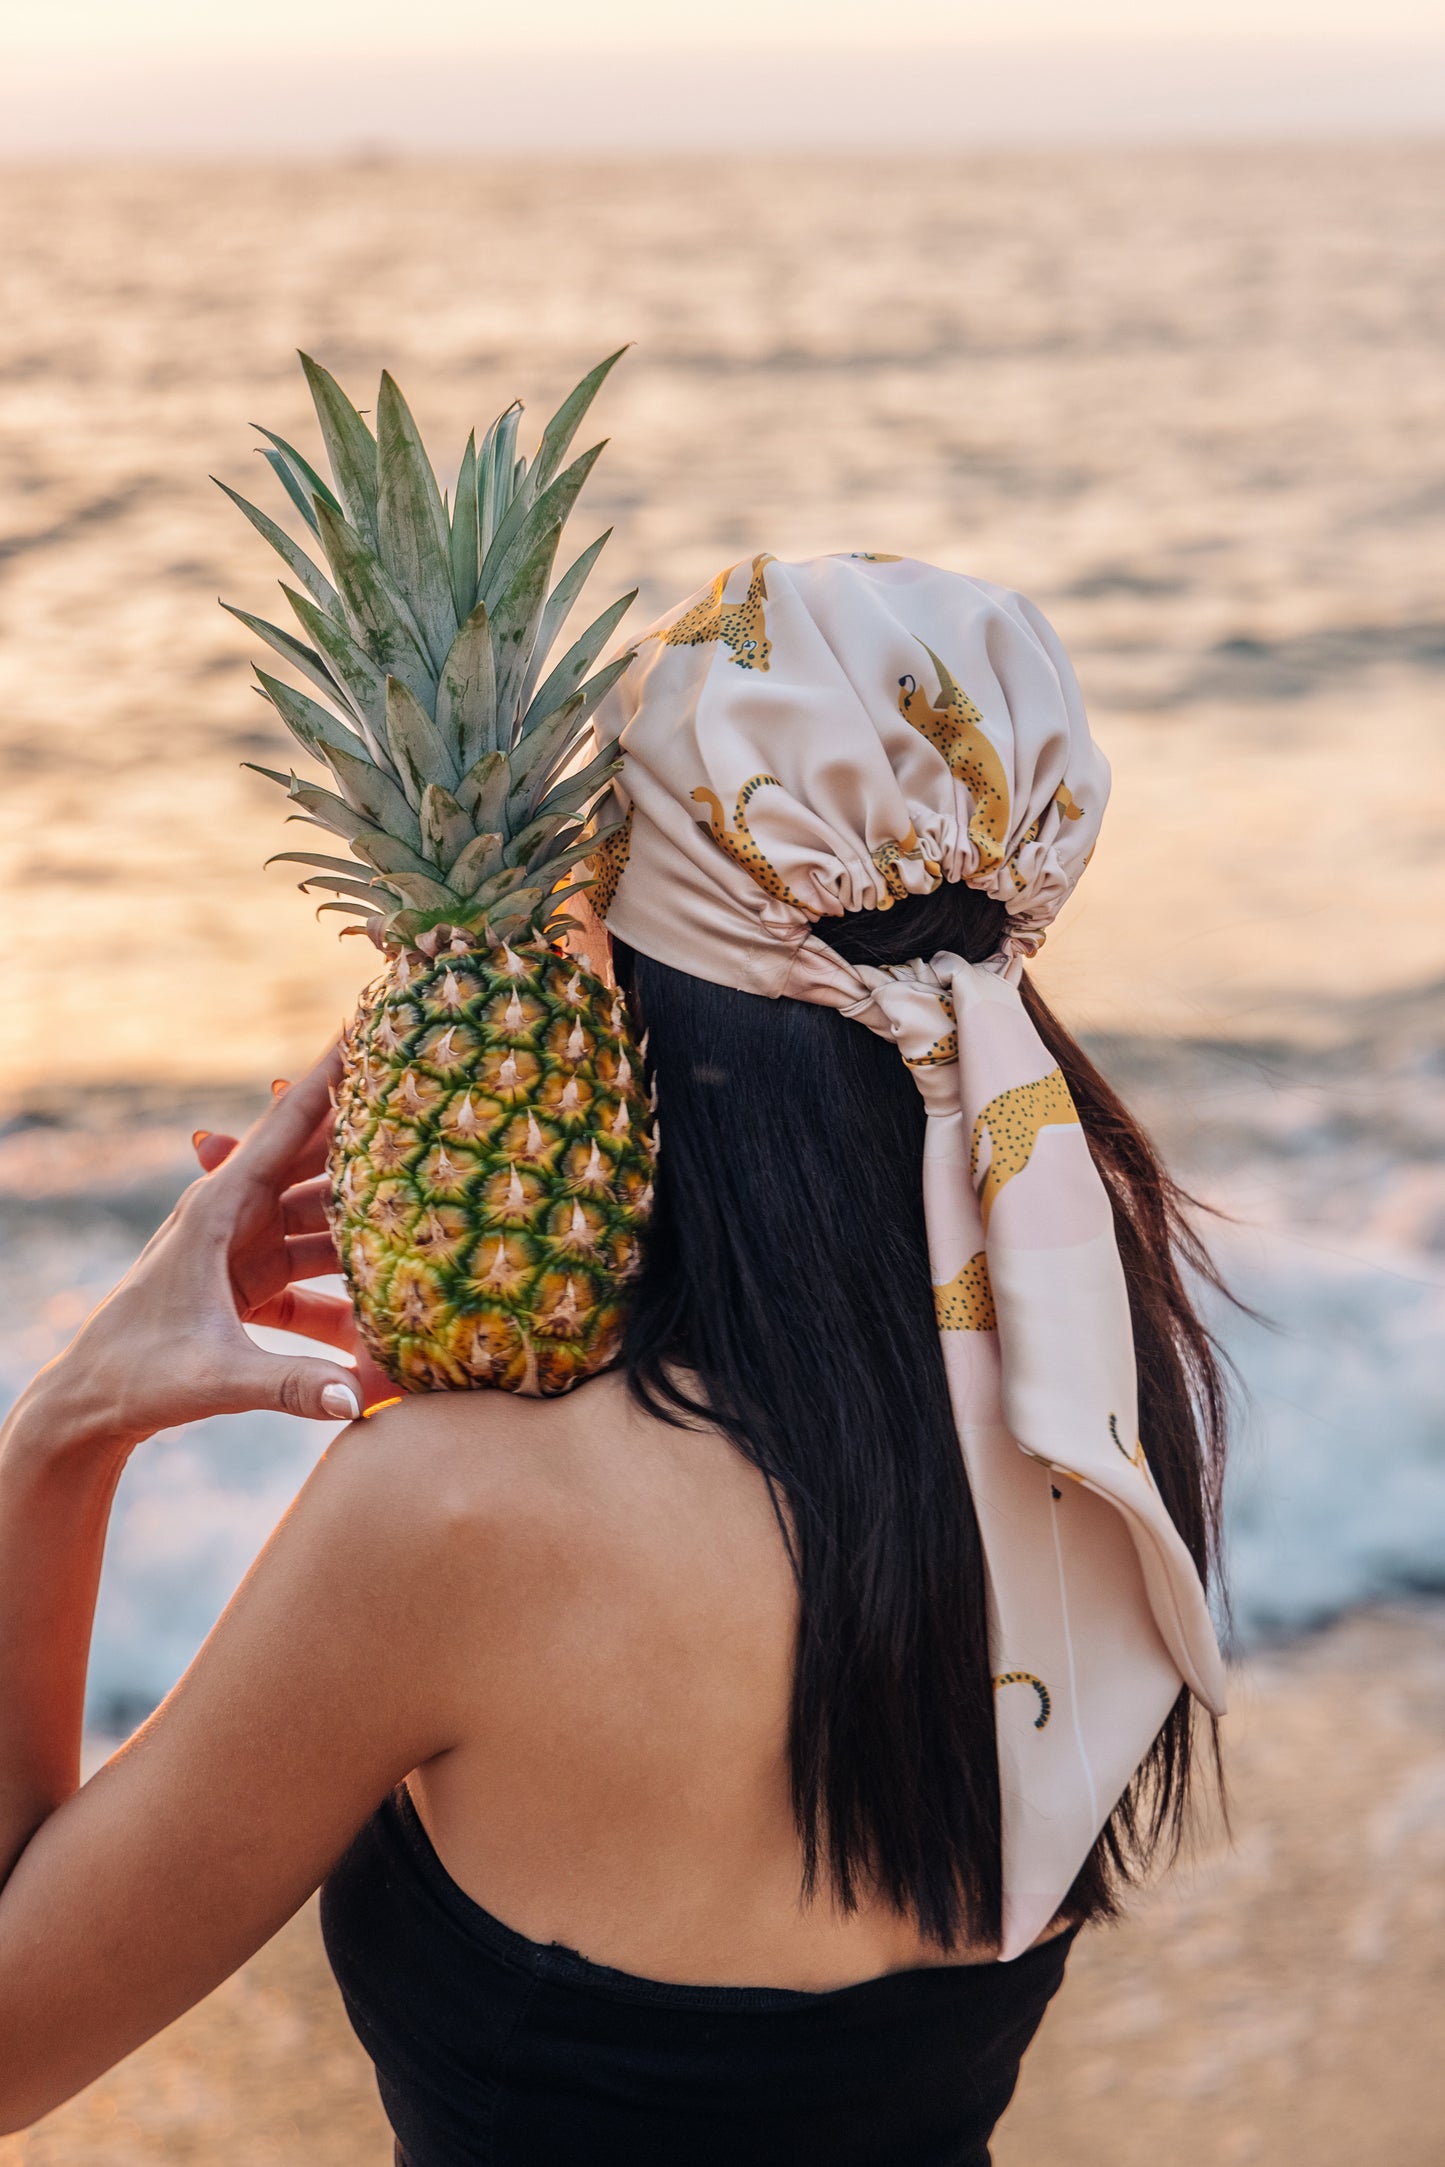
(622, 1783)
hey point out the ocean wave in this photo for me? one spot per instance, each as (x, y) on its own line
(1326, 1163)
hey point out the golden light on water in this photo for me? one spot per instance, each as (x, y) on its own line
(1190, 402)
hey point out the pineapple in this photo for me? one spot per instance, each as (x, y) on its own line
(491, 1170)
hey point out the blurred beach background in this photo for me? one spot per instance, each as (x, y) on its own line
(1157, 340)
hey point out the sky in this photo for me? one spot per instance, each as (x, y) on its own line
(182, 27)
(187, 78)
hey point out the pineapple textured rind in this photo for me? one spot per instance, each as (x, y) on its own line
(491, 1170)
(492, 1162)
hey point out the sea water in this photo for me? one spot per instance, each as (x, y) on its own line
(1334, 1241)
(1190, 401)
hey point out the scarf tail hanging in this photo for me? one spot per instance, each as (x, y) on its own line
(805, 739)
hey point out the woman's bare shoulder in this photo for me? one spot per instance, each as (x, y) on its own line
(484, 1467)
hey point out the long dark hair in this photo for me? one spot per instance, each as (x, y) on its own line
(787, 1271)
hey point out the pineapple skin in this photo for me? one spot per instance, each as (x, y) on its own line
(491, 1168)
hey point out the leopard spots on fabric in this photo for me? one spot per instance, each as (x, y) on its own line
(886, 858)
(965, 1302)
(1012, 1122)
(737, 841)
(739, 625)
(1026, 1677)
(1071, 810)
(954, 728)
(940, 1053)
(607, 865)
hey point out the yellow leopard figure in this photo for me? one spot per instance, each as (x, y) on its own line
(739, 625)
(1026, 1677)
(737, 841)
(1071, 809)
(608, 863)
(1012, 1122)
(953, 726)
(965, 1302)
(886, 858)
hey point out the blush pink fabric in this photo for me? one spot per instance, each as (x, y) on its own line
(804, 739)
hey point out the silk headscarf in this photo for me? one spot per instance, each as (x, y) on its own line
(805, 739)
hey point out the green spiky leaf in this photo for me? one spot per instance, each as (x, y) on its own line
(351, 910)
(559, 606)
(495, 467)
(528, 521)
(322, 863)
(335, 884)
(578, 660)
(498, 887)
(418, 747)
(376, 796)
(514, 629)
(350, 446)
(303, 473)
(529, 847)
(466, 710)
(560, 430)
(477, 862)
(464, 544)
(296, 652)
(387, 855)
(317, 585)
(363, 682)
(411, 521)
(325, 808)
(299, 496)
(424, 891)
(531, 777)
(548, 741)
(573, 791)
(378, 614)
(323, 734)
(445, 828)
(482, 791)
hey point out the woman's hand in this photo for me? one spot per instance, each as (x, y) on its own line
(168, 1346)
(310, 1253)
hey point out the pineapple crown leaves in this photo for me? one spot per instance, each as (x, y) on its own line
(452, 738)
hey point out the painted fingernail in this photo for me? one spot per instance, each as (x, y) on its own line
(282, 1083)
(341, 1402)
(198, 1137)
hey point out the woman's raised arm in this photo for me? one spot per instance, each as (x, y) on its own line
(326, 1681)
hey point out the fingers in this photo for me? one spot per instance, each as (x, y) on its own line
(303, 1207)
(311, 1316)
(292, 1121)
(317, 1390)
(308, 1256)
(212, 1148)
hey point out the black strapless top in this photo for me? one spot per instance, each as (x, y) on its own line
(494, 2051)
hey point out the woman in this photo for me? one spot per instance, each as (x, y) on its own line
(713, 1764)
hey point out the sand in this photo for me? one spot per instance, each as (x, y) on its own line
(1191, 401)
(1278, 2000)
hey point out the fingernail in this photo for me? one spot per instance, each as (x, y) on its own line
(281, 1083)
(341, 1402)
(198, 1137)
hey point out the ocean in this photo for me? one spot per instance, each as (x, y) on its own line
(1189, 401)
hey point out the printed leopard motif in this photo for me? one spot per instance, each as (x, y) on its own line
(1012, 1122)
(739, 625)
(737, 841)
(954, 728)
